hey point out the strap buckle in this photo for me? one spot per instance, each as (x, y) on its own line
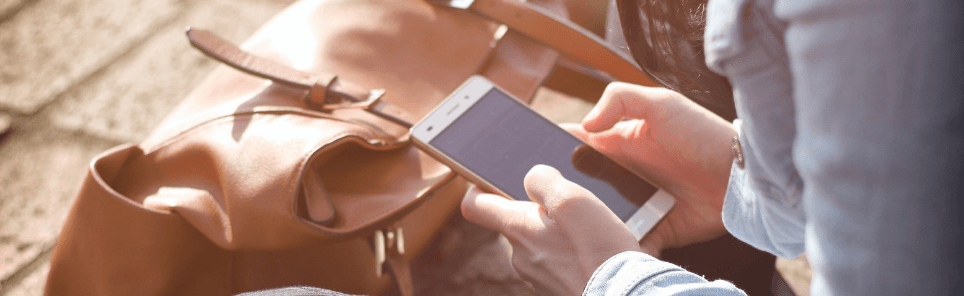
(384, 240)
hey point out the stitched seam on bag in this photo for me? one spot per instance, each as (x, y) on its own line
(280, 111)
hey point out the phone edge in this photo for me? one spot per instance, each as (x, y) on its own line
(458, 168)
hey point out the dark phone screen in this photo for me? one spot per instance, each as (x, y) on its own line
(500, 139)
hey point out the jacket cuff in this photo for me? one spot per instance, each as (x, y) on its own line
(624, 272)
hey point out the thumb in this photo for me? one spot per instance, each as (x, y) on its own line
(624, 100)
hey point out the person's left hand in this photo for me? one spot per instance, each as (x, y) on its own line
(560, 238)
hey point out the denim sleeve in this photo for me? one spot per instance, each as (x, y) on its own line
(753, 215)
(763, 205)
(880, 143)
(635, 273)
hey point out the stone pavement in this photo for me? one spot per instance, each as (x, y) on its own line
(78, 77)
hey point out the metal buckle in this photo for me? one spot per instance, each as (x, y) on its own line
(390, 240)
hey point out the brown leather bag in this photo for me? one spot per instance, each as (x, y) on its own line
(307, 178)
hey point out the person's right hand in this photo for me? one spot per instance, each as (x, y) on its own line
(674, 143)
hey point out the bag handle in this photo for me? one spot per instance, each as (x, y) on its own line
(571, 39)
(325, 91)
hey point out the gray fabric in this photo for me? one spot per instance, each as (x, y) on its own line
(853, 133)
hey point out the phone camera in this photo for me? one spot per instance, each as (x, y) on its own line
(429, 128)
(466, 97)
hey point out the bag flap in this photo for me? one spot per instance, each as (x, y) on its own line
(365, 187)
(237, 178)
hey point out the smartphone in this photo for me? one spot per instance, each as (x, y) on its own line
(493, 140)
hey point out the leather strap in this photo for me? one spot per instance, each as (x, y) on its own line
(402, 273)
(559, 33)
(4, 126)
(325, 91)
(224, 52)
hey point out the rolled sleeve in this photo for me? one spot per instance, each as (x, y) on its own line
(763, 223)
(762, 207)
(635, 273)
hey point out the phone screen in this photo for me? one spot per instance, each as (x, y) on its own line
(500, 139)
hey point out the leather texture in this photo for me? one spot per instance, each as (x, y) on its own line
(254, 183)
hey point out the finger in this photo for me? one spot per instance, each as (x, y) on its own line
(576, 130)
(548, 188)
(623, 100)
(495, 212)
(610, 141)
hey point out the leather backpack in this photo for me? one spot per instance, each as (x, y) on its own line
(291, 164)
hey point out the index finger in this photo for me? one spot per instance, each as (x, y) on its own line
(496, 212)
(624, 100)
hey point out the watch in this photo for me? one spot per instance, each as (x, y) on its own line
(737, 152)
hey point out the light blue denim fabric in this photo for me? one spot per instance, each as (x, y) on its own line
(853, 136)
(635, 273)
(744, 41)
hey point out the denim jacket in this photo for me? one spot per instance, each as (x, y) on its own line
(851, 119)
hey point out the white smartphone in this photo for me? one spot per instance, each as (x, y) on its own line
(493, 140)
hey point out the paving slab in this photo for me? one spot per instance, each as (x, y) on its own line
(31, 285)
(10, 7)
(5, 122)
(490, 272)
(133, 95)
(466, 259)
(40, 173)
(52, 44)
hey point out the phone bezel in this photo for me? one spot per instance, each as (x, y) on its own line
(469, 93)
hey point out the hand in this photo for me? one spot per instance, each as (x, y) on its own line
(560, 237)
(674, 143)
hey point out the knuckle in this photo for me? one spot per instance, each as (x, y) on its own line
(511, 221)
(565, 195)
(518, 223)
(613, 86)
(614, 90)
(665, 95)
(467, 206)
(529, 263)
(520, 262)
